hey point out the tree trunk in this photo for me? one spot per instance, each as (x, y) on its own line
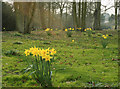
(19, 17)
(116, 15)
(27, 27)
(74, 15)
(97, 15)
(83, 24)
(79, 14)
(66, 13)
(119, 17)
(42, 15)
(49, 16)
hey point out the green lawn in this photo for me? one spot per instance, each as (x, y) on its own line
(83, 63)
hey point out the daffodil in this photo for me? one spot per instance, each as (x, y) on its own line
(66, 30)
(35, 52)
(73, 29)
(70, 28)
(27, 52)
(53, 51)
(85, 30)
(44, 53)
(72, 40)
(47, 29)
(47, 58)
(51, 29)
(39, 52)
(105, 37)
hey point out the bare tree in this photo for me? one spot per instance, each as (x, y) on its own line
(74, 15)
(119, 17)
(116, 15)
(97, 14)
(24, 15)
(83, 24)
(79, 14)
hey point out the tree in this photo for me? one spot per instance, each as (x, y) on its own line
(116, 15)
(24, 15)
(74, 15)
(79, 14)
(119, 17)
(97, 14)
(8, 17)
(83, 24)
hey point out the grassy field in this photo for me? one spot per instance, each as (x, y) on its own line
(82, 63)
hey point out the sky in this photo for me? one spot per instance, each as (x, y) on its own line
(107, 3)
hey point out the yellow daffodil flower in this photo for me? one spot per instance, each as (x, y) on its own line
(44, 53)
(66, 30)
(73, 29)
(52, 51)
(47, 29)
(72, 40)
(27, 52)
(103, 35)
(47, 58)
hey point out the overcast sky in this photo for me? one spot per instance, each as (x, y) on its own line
(107, 3)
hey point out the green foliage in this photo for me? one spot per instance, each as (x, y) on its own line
(69, 33)
(84, 33)
(17, 34)
(93, 32)
(48, 33)
(99, 34)
(18, 42)
(12, 52)
(104, 43)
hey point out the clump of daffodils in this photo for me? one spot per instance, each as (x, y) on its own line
(104, 41)
(48, 29)
(89, 31)
(40, 66)
(105, 36)
(44, 53)
(69, 29)
(79, 29)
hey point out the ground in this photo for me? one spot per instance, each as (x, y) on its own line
(82, 63)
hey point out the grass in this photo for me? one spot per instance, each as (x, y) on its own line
(83, 63)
